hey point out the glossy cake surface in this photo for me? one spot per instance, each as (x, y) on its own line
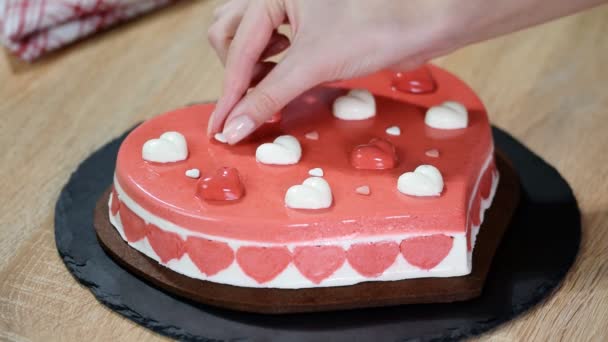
(258, 241)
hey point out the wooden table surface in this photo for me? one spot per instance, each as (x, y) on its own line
(548, 86)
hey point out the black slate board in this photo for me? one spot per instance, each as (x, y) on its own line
(535, 255)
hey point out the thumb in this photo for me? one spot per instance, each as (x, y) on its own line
(285, 82)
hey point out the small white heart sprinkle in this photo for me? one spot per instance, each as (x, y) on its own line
(317, 172)
(393, 130)
(363, 190)
(193, 173)
(314, 135)
(434, 153)
(220, 137)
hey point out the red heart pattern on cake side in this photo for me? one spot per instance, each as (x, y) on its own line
(318, 262)
(426, 252)
(417, 81)
(485, 185)
(224, 185)
(372, 259)
(210, 257)
(378, 154)
(132, 225)
(263, 263)
(115, 202)
(166, 245)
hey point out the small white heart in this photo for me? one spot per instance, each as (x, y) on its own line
(169, 147)
(193, 173)
(314, 135)
(393, 130)
(434, 153)
(313, 193)
(317, 172)
(426, 180)
(358, 104)
(448, 115)
(220, 137)
(363, 190)
(284, 150)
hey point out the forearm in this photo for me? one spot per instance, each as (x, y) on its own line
(471, 21)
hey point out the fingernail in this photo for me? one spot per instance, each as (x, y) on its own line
(238, 128)
(210, 124)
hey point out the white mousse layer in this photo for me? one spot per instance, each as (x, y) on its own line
(458, 262)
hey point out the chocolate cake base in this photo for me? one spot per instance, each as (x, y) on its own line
(362, 295)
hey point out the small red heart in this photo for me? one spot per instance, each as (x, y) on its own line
(133, 226)
(417, 81)
(210, 257)
(224, 185)
(378, 154)
(372, 259)
(318, 262)
(167, 245)
(263, 263)
(426, 252)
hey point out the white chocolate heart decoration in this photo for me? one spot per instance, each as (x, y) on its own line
(284, 150)
(169, 147)
(313, 193)
(448, 115)
(426, 180)
(358, 104)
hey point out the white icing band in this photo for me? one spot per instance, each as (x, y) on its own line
(358, 104)
(448, 115)
(426, 180)
(313, 193)
(456, 263)
(285, 150)
(169, 147)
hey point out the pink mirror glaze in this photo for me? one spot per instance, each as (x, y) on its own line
(224, 185)
(378, 154)
(417, 81)
(261, 216)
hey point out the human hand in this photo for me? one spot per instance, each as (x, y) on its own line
(341, 39)
(331, 40)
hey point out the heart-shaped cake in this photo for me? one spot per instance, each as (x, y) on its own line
(373, 193)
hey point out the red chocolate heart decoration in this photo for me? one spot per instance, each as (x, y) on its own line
(378, 154)
(224, 185)
(417, 81)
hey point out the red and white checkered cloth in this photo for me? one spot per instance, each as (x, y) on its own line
(30, 28)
